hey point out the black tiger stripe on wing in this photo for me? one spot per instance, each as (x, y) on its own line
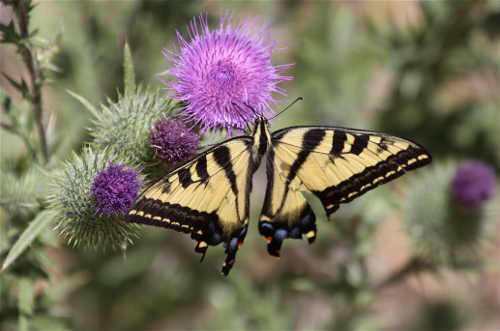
(312, 139)
(360, 143)
(201, 168)
(185, 177)
(338, 141)
(222, 156)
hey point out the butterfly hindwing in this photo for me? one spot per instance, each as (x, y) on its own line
(335, 164)
(286, 213)
(207, 197)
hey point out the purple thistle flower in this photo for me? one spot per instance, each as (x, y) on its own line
(473, 183)
(225, 73)
(115, 189)
(173, 140)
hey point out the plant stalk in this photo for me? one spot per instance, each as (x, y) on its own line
(22, 12)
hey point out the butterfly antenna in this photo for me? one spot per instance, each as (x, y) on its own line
(287, 107)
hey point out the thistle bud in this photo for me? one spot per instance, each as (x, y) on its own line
(173, 141)
(91, 194)
(442, 225)
(115, 189)
(124, 127)
(473, 184)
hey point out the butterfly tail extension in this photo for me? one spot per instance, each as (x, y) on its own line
(232, 245)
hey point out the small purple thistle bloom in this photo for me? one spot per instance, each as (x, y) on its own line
(225, 76)
(473, 183)
(173, 140)
(115, 189)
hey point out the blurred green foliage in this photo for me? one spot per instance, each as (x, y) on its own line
(429, 71)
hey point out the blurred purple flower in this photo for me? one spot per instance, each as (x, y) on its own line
(115, 189)
(473, 183)
(223, 73)
(173, 140)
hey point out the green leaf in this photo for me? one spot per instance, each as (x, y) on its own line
(84, 102)
(40, 223)
(128, 69)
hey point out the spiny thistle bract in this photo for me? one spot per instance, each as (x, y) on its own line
(225, 76)
(80, 220)
(173, 141)
(124, 127)
(443, 230)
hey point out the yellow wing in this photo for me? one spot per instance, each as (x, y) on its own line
(335, 164)
(207, 197)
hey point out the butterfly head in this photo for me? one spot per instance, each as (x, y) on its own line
(261, 120)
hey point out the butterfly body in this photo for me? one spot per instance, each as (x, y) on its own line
(208, 196)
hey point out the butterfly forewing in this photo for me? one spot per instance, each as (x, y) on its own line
(207, 197)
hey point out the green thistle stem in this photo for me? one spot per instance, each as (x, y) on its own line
(35, 75)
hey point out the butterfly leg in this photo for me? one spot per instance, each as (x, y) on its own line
(234, 242)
